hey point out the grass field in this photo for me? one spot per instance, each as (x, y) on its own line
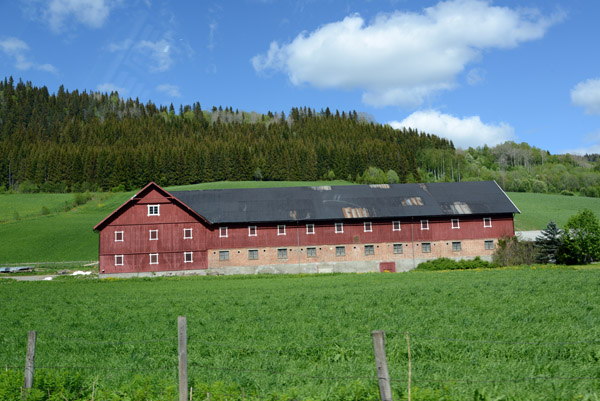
(508, 334)
(68, 236)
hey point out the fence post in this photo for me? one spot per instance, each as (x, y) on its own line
(30, 359)
(409, 366)
(383, 376)
(182, 340)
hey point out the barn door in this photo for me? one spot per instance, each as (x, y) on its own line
(387, 267)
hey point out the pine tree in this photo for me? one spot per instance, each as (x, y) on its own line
(548, 243)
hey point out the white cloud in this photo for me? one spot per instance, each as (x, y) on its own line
(593, 141)
(171, 90)
(159, 52)
(475, 76)
(109, 87)
(121, 46)
(18, 50)
(403, 57)
(587, 94)
(463, 132)
(92, 13)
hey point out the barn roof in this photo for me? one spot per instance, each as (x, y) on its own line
(267, 205)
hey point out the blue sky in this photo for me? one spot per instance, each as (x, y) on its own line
(477, 72)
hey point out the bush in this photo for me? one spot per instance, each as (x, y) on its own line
(513, 252)
(81, 199)
(449, 264)
(45, 211)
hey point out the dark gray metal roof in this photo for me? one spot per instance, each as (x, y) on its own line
(266, 205)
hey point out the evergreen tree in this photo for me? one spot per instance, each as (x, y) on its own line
(548, 243)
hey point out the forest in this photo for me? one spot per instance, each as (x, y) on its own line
(77, 141)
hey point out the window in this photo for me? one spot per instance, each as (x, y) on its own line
(455, 223)
(154, 258)
(395, 226)
(426, 247)
(188, 257)
(187, 233)
(339, 228)
(153, 210)
(489, 244)
(281, 229)
(398, 248)
(340, 251)
(310, 228)
(456, 246)
(282, 253)
(253, 254)
(223, 232)
(251, 231)
(311, 252)
(118, 260)
(487, 222)
(368, 227)
(153, 235)
(223, 255)
(424, 224)
(118, 236)
(369, 250)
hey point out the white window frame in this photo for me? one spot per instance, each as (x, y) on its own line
(457, 221)
(487, 222)
(424, 224)
(281, 229)
(456, 246)
(485, 244)
(185, 233)
(339, 228)
(394, 223)
(400, 247)
(428, 244)
(368, 227)
(250, 228)
(185, 257)
(150, 235)
(310, 229)
(154, 255)
(250, 253)
(223, 232)
(122, 236)
(151, 210)
(223, 256)
(122, 260)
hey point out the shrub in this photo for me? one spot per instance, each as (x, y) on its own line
(449, 264)
(45, 211)
(512, 252)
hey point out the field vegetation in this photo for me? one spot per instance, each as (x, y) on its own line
(510, 334)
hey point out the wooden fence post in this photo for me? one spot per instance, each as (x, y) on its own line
(30, 359)
(385, 390)
(182, 340)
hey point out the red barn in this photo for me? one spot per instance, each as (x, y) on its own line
(355, 228)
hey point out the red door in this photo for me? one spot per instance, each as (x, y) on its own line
(387, 267)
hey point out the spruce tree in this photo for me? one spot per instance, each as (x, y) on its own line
(548, 243)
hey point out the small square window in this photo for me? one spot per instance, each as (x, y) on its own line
(119, 260)
(487, 222)
(118, 236)
(153, 210)
(368, 227)
(455, 223)
(187, 233)
(424, 224)
(456, 246)
(253, 254)
(340, 251)
(395, 226)
(252, 231)
(489, 244)
(282, 253)
(426, 247)
(281, 229)
(369, 250)
(188, 257)
(153, 235)
(223, 255)
(311, 252)
(310, 228)
(398, 248)
(154, 258)
(223, 232)
(339, 228)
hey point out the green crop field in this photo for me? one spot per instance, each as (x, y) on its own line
(27, 235)
(505, 334)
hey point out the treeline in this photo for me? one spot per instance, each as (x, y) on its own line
(79, 141)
